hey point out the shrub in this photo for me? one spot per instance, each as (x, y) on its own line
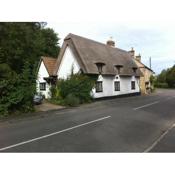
(55, 93)
(161, 85)
(75, 86)
(16, 90)
(166, 79)
(71, 100)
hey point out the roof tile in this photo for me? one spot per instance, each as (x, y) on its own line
(49, 64)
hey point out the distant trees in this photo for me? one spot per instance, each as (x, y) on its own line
(21, 46)
(170, 77)
(166, 78)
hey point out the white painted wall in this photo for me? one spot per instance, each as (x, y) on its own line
(108, 86)
(40, 79)
(68, 61)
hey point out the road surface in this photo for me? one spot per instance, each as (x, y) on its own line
(130, 124)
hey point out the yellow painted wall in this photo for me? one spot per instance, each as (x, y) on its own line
(146, 77)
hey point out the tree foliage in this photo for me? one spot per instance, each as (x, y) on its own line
(21, 46)
(170, 77)
(166, 78)
(21, 42)
(16, 90)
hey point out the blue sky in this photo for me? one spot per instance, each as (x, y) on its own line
(150, 40)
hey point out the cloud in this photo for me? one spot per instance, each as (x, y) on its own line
(150, 40)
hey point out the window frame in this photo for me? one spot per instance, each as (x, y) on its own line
(116, 85)
(41, 86)
(96, 89)
(133, 85)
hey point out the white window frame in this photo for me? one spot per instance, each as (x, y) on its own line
(116, 85)
(42, 86)
(100, 87)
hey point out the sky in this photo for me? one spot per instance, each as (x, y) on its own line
(150, 40)
(146, 25)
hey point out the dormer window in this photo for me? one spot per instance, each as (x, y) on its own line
(134, 69)
(118, 67)
(100, 67)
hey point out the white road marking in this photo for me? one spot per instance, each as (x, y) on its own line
(159, 139)
(146, 105)
(54, 133)
(169, 98)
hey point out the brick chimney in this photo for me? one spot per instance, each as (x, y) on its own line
(132, 52)
(138, 58)
(110, 42)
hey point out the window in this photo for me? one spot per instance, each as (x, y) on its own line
(100, 67)
(117, 85)
(134, 69)
(133, 85)
(118, 67)
(99, 86)
(42, 86)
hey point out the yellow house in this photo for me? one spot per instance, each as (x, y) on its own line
(145, 85)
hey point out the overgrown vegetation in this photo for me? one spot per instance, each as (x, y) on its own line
(21, 46)
(74, 90)
(166, 79)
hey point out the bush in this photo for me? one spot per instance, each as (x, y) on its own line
(55, 93)
(76, 86)
(166, 79)
(16, 90)
(71, 100)
(161, 85)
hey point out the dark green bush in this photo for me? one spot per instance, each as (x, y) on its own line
(76, 85)
(166, 79)
(16, 90)
(161, 85)
(55, 93)
(71, 100)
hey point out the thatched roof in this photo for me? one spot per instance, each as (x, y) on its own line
(89, 52)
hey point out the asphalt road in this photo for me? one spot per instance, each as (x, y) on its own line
(130, 124)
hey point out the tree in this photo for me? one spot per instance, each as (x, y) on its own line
(170, 77)
(166, 78)
(21, 42)
(16, 90)
(8, 89)
(161, 78)
(21, 46)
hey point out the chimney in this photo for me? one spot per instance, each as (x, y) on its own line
(110, 42)
(138, 58)
(132, 52)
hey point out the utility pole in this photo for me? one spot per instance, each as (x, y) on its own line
(150, 62)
